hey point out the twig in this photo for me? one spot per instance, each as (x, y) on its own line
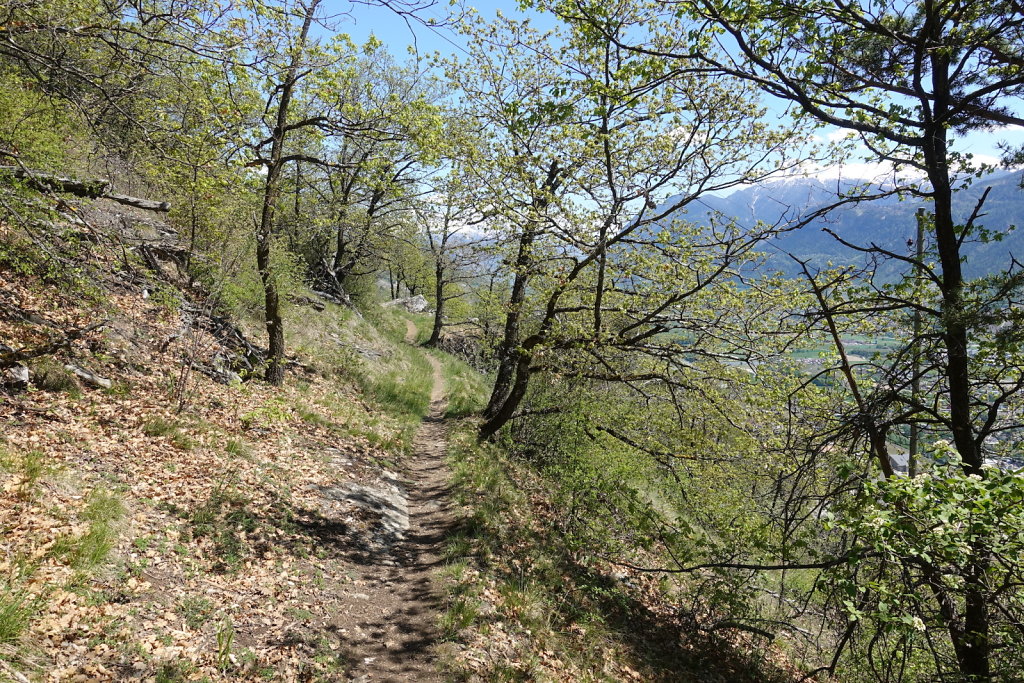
(16, 675)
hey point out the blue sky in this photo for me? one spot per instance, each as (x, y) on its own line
(399, 34)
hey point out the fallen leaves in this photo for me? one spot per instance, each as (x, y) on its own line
(221, 530)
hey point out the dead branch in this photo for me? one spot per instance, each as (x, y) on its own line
(92, 189)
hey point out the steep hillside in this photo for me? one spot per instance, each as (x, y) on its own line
(161, 517)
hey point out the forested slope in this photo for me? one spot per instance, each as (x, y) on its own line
(675, 459)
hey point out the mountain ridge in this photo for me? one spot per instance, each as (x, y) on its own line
(888, 222)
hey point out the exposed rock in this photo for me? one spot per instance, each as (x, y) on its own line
(465, 347)
(341, 300)
(16, 376)
(413, 304)
(225, 365)
(386, 500)
(367, 353)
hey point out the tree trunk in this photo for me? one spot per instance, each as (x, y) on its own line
(507, 356)
(271, 190)
(514, 398)
(271, 297)
(435, 332)
(974, 656)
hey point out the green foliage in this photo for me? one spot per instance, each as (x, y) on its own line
(237, 448)
(55, 260)
(554, 594)
(225, 641)
(162, 427)
(31, 465)
(242, 289)
(167, 298)
(274, 410)
(938, 526)
(40, 128)
(225, 519)
(466, 389)
(16, 611)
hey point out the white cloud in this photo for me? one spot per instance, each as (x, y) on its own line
(840, 134)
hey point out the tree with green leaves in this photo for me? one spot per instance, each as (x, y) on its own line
(588, 160)
(906, 79)
(449, 227)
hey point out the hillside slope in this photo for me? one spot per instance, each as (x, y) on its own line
(158, 523)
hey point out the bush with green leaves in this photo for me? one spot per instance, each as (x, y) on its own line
(934, 527)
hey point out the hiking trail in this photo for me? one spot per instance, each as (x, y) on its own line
(393, 620)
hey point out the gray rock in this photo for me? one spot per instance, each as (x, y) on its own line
(225, 366)
(386, 500)
(16, 376)
(413, 304)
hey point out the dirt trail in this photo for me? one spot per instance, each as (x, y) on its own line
(396, 614)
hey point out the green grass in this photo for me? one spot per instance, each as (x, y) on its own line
(89, 550)
(544, 595)
(500, 542)
(195, 610)
(30, 465)
(400, 385)
(465, 388)
(49, 375)
(237, 448)
(225, 519)
(423, 324)
(16, 612)
(159, 427)
(312, 417)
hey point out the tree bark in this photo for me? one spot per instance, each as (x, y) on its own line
(435, 332)
(271, 192)
(974, 652)
(507, 359)
(518, 385)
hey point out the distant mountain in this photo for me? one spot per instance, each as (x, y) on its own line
(887, 222)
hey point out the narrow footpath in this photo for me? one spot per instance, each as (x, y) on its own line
(400, 608)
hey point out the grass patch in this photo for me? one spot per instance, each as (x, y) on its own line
(237, 448)
(312, 417)
(92, 548)
(160, 427)
(404, 390)
(466, 389)
(174, 672)
(49, 375)
(30, 465)
(224, 519)
(195, 611)
(512, 569)
(16, 611)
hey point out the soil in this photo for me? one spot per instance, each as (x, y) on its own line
(394, 620)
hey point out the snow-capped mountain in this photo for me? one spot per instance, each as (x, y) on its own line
(889, 222)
